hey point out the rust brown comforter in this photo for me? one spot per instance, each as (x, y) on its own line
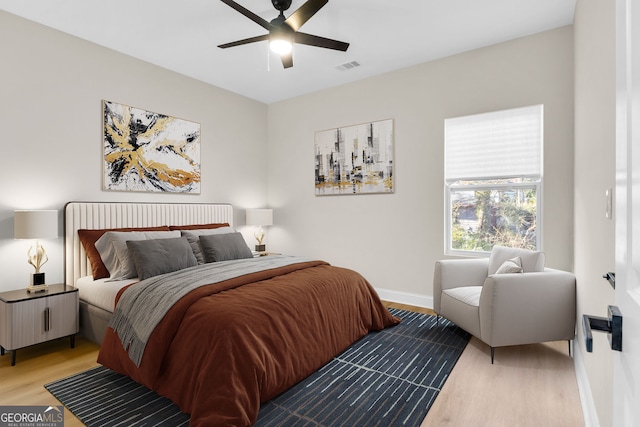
(224, 348)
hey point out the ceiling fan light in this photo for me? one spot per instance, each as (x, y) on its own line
(280, 46)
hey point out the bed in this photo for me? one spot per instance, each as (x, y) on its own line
(222, 336)
(96, 302)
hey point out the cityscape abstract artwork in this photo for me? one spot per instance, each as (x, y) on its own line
(355, 159)
(151, 152)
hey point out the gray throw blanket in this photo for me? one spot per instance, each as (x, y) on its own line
(143, 305)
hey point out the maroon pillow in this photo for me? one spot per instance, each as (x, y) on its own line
(88, 239)
(197, 226)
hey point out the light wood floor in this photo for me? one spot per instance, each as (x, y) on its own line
(531, 385)
(36, 366)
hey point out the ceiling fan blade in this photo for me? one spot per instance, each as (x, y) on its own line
(246, 12)
(311, 40)
(287, 60)
(245, 41)
(298, 18)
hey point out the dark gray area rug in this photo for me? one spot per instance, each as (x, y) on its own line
(388, 378)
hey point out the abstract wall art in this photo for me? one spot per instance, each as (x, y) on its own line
(151, 152)
(355, 159)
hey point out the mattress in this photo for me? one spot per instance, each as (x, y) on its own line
(102, 292)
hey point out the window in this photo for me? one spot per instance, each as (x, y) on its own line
(493, 179)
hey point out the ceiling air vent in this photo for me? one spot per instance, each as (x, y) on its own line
(348, 65)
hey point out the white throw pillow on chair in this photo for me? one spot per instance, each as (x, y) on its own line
(513, 265)
(531, 260)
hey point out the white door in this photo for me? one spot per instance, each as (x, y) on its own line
(626, 381)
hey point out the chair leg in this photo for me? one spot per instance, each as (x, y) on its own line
(569, 342)
(493, 352)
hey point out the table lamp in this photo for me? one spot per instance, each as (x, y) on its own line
(260, 217)
(36, 224)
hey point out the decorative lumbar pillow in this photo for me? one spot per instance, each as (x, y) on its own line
(88, 239)
(531, 260)
(224, 247)
(513, 265)
(112, 247)
(193, 236)
(159, 256)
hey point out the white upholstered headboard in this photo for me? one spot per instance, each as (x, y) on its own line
(95, 215)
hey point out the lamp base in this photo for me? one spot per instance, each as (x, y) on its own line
(32, 289)
(261, 248)
(37, 279)
(37, 283)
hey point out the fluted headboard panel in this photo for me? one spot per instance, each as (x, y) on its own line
(96, 215)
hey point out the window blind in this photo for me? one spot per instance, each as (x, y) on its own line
(498, 144)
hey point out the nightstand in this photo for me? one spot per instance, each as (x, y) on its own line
(33, 318)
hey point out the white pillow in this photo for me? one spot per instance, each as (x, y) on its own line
(531, 260)
(513, 265)
(193, 236)
(112, 247)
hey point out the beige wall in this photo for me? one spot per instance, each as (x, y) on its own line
(395, 239)
(51, 89)
(594, 174)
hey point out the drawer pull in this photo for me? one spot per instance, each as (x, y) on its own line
(47, 319)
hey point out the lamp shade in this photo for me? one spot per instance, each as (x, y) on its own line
(260, 217)
(40, 224)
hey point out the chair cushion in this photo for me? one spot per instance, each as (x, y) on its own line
(531, 260)
(461, 306)
(469, 295)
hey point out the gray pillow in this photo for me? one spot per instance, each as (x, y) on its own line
(224, 247)
(193, 236)
(112, 248)
(159, 256)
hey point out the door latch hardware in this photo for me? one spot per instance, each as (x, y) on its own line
(611, 325)
(611, 278)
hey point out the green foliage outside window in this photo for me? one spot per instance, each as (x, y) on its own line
(482, 219)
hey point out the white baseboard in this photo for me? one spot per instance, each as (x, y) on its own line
(406, 298)
(584, 388)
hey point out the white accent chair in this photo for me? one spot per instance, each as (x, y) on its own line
(503, 308)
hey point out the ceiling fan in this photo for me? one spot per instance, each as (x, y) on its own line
(283, 32)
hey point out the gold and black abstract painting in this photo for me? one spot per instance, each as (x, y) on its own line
(150, 152)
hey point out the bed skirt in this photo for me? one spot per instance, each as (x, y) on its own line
(93, 322)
